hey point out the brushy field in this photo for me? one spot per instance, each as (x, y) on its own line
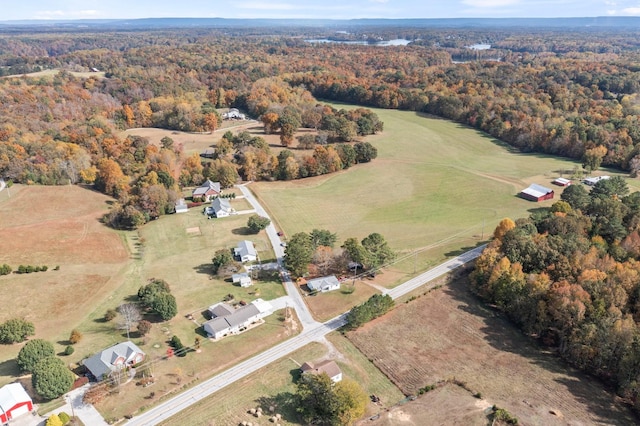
(448, 334)
(275, 383)
(436, 185)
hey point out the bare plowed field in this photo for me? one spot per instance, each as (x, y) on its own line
(448, 334)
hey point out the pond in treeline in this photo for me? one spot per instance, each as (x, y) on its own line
(394, 42)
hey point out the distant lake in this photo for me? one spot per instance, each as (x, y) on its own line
(394, 42)
(479, 47)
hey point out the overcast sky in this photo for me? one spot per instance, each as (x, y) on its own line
(330, 9)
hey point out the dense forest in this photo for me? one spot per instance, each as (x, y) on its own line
(570, 276)
(572, 93)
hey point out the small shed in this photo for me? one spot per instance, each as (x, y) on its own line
(536, 193)
(561, 181)
(242, 279)
(14, 402)
(181, 206)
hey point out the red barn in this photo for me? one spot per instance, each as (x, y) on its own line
(536, 193)
(14, 402)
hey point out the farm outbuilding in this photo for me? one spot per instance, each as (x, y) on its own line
(536, 193)
(561, 181)
(593, 180)
(181, 206)
(242, 279)
(14, 402)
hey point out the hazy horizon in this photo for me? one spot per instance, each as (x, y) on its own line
(57, 10)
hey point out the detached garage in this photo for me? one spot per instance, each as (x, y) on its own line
(14, 402)
(537, 193)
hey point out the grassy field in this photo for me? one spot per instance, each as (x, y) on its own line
(448, 334)
(436, 186)
(52, 72)
(273, 384)
(57, 226)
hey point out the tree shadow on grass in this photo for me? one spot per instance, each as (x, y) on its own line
(502, 335)
(283, 403)
(205, 268)
(9, 368)
(462, 250)
(242, 231)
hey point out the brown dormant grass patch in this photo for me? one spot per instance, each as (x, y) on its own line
(446, 405)
(449, 334)
(56, 226)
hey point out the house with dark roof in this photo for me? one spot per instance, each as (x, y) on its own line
(207, 190)
(324, 284)
(536, 193)
(246, 251)
(115, 358)
(328, 367)
(14, 402)
(227, 321)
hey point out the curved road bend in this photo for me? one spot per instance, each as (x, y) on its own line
(311, 333)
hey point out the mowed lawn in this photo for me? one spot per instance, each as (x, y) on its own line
(434, 182)
(271, 385)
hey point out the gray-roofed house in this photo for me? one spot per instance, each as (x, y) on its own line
(246, 251)
(117, 357)
(242, 279)
(207, 190)
(227, 321)
(221, 207)
(329, 367)
(324, 284)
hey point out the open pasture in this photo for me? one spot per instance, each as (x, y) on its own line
(448, 334)
(56, 226)
(435, 183)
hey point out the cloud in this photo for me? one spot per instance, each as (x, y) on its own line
(379, 1)
(632, 10)
(489, 3)
(53, 14)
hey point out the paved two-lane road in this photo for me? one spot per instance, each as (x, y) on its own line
(311, 333)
